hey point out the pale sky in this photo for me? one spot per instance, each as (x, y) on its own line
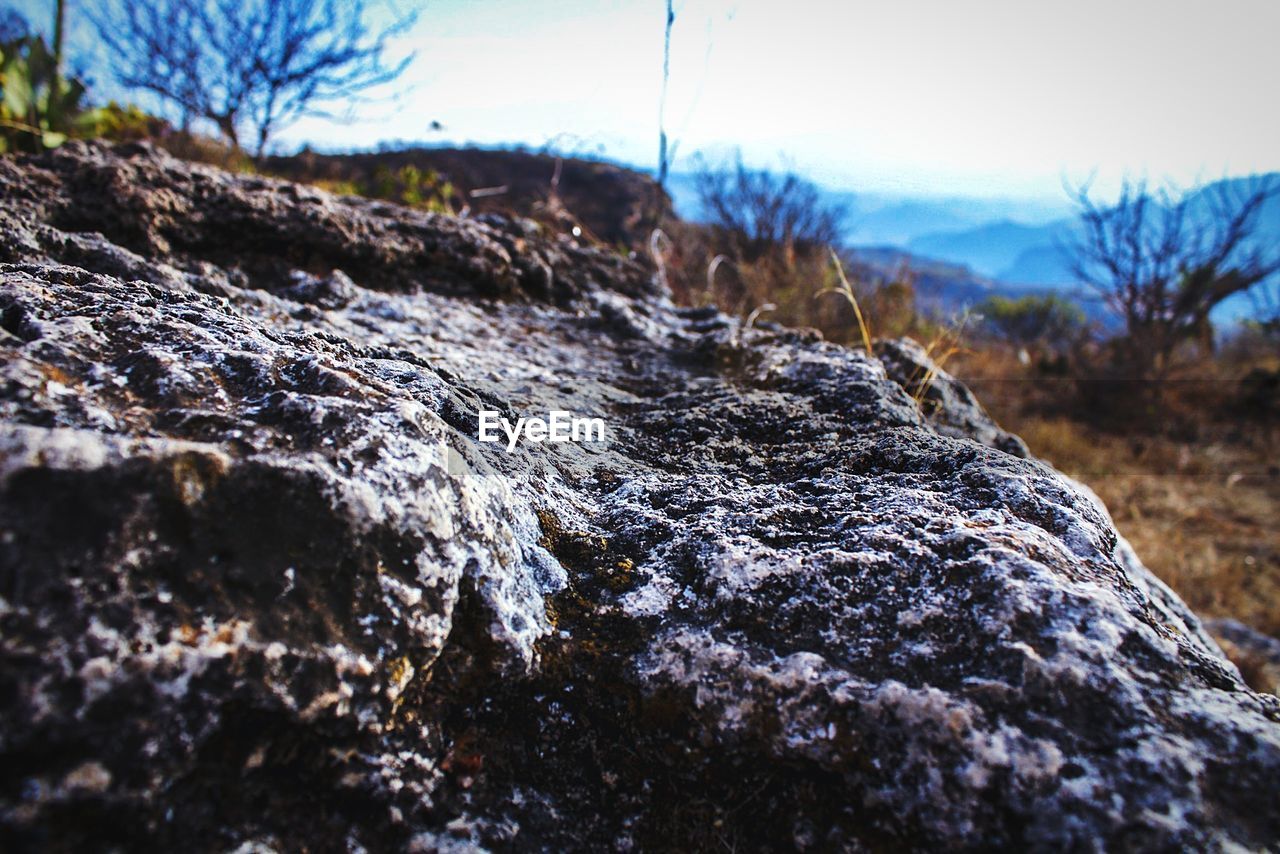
(990, 97)
(984, 97)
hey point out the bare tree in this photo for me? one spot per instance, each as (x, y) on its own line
(754, 212)
(249, 65)
(1164, 260)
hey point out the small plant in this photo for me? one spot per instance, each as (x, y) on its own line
(745, 326)
(120, 123)
(1049, 319)
(659, 247)
(945, 344)
(846, 290)
(413, 187)
(39, 108)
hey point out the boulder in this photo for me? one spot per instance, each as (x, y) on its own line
(261, 587)
(1257, 655)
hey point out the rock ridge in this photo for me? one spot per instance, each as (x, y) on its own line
(260, 586)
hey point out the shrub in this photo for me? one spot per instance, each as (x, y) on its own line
(121, 123)
(1046, 320)
(754, 213)
(39, 108)
(425, 189)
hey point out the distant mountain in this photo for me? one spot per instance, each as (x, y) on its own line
(881, 219)
(944, 289)
(892, 221)
(994, 248)
(1018, 254)
(1046, 265)
(964, 249)
(898, 224)
(1268, 223)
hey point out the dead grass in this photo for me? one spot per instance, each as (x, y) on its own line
(1200, 511)
(1203, 518)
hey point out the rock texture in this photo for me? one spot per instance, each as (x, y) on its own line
(259, 585)
(1257, 655)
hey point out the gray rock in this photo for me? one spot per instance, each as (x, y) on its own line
(1256, 654)
(261, 587)
(948, 405)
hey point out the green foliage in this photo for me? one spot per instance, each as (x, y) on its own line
(39, 108)
(1048, 319)
(413, 187)
(127, 123)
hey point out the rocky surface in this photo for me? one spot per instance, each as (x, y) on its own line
(1257, 655)
(260, 586)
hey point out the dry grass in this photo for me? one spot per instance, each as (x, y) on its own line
(1200, 511)
(1203, 518)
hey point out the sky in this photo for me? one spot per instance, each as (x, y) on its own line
(987, 98)
(914, 97)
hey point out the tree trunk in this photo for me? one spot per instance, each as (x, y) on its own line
(55, 85)
(59, 22)
(226, 125)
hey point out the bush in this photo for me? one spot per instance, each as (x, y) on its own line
(1047, 320)
(425, 189)
(121, 123)
(754, 213)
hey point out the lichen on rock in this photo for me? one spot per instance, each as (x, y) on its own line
(259, 584)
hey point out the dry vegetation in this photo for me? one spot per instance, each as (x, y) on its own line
(1194, 484)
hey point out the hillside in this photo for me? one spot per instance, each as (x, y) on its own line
(615, 204)
(991, 249)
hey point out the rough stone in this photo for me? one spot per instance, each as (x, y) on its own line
(260, 587)
(1257, 655)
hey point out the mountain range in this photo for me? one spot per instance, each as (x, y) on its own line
(973, 247)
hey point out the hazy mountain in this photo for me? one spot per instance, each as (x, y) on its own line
(1020, 254)
(964, 249)
(880, 219)
(944, 289)
(1046, 264)
(993, 248)
(891, 221)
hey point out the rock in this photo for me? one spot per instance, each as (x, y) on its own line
(261, 587)
(947, 404)
(1257, 655)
